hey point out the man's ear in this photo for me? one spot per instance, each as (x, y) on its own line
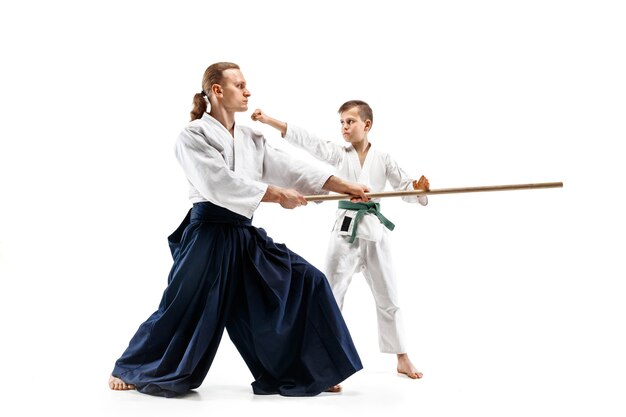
(216, 89)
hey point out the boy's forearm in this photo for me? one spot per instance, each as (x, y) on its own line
(278, 125)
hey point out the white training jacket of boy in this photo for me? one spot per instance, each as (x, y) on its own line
(370, 253)
(234, 172)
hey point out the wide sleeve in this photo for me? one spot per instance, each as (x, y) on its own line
(326, 151)
(284, 170)
(400, 181)
(208, 172)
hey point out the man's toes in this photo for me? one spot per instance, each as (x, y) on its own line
(116, 384)
(334, 388)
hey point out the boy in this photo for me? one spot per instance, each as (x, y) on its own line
(359, 240)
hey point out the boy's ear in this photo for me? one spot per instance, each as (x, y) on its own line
(368, 124)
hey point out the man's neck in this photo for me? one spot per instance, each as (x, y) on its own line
(226, 118)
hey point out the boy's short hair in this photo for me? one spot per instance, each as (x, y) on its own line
(365, 111)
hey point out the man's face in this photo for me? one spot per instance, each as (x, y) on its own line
(235, 94)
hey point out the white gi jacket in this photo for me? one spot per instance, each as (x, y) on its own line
(234, 172)
(378, 168)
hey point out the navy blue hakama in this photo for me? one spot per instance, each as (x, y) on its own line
(278, 309)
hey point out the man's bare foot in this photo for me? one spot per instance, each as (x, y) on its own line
(406, 367)
(117, 384)
(334, 388)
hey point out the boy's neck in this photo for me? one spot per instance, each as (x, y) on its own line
(361, 149)
(361, 146)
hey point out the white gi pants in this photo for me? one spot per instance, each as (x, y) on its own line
(373, 259)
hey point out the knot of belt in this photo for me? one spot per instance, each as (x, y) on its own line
(362, 209)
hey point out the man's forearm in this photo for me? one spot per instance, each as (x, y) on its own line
(335, 184)
(272, 194)
(338, 185)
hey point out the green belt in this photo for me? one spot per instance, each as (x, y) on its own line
(362, 209)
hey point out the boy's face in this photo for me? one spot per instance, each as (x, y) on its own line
(353, 128)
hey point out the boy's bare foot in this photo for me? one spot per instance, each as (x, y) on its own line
(334, 388)
(406, 367)
(117, 384)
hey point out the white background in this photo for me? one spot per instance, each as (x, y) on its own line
(513, 301)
